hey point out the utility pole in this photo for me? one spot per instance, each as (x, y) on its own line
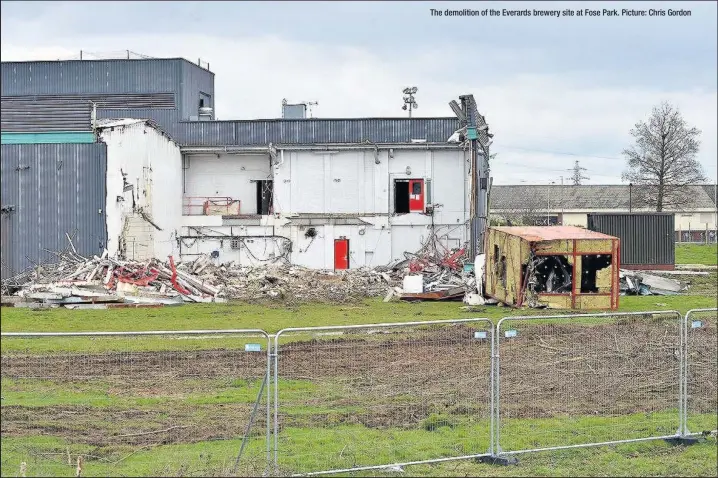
(409, 102)
(577, 175)
(477, 133)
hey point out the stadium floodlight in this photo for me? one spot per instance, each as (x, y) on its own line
(409, 102)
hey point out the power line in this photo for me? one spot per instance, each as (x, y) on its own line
(561, 153)
(542, 168)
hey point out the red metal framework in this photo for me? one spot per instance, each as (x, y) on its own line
(210, 206)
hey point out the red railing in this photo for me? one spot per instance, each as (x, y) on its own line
(210, 206)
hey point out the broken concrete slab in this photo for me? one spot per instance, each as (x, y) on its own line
(662, 283)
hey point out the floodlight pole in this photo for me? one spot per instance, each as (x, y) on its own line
(409, 102)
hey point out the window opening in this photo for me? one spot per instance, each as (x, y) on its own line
(596, 273)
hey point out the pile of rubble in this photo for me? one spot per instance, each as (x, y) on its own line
(290, 283)
(77, 282)
(426, 276)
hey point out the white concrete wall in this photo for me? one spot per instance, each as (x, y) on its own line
(226, 175)
(153, 165)
(368, 245)
(333, 182)
(695, 221)
(574, 219)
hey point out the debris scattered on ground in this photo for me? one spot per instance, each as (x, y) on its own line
(643, 283)
(77, 282)
(103, 282)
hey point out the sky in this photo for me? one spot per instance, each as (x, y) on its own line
(553, 90)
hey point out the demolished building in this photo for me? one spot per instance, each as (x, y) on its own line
(125, 155)
(559, 267)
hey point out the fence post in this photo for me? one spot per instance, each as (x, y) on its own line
(686, 437)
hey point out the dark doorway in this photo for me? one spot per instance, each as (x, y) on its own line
(401, 197)
(265, 189)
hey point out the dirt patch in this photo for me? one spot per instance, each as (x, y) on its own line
(385, 381)
(99, 426)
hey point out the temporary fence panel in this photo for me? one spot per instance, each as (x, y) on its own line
(373, 396)
(701, 397)
(191, 403)
(588, 379)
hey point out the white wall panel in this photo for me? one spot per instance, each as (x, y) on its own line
(152, 164)
(227, 175)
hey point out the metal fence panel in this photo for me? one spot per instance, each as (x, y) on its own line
(701, 397)
(373, 396)
(136, 404)
(587, 379)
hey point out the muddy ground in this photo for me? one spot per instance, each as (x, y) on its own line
(380, 381)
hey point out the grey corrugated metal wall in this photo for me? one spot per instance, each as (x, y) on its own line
(32, 114)
(90, 77)
(111, 77)
(194, 81)
(54, 189)
(307, 131)
(646, 239)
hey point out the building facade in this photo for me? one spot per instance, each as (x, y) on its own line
(323, 193)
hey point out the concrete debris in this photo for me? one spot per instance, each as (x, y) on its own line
(77, 282)
(642, 283)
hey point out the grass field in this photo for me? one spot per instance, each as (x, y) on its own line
(173, 406)
(342, 401)
(706, 254)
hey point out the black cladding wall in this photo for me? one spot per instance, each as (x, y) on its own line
(647, 240)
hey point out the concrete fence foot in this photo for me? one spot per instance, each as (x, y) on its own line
(498, 460)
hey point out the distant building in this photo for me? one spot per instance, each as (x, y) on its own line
(569, 206)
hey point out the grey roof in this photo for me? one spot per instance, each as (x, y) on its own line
(292, 131)
(586, 197)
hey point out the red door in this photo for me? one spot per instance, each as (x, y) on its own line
(341, 254)
(416, 195)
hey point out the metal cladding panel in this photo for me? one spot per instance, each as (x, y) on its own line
(646, 239)
(262, 132)
(274, 132)
(321, 131)
(194, 80)
(89, 77)
(207, 133)
(30, 114)
(54, 189)
(250, 132)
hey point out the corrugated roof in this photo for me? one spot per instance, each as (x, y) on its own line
(586, 197)
(551, 233)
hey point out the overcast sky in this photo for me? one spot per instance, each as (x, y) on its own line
(553, 90)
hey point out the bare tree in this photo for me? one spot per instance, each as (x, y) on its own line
(663, 159)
